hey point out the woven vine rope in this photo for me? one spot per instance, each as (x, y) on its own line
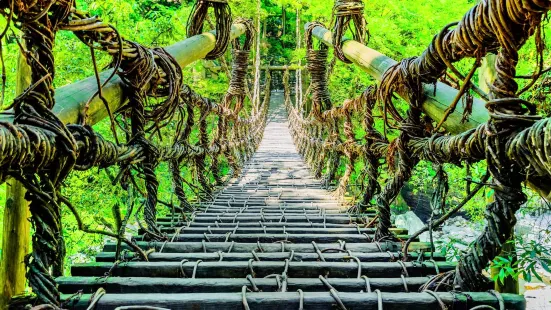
(40, 151)
(512, 142)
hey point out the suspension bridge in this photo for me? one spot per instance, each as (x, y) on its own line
(270, 234)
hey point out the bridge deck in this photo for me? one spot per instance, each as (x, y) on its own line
(272, 231)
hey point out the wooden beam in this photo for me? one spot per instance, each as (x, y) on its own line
(17, 228)
(71, 99)
(271, 237)
(292, 300)
(271, 68)
(274, 256)
(276, 230)
(237, 247)
(71, 285)
(241, 269)
(438, 98)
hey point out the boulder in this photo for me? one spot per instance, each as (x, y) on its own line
(412, 223)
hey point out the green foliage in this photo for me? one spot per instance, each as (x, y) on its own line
(530, 256)
(508, 268)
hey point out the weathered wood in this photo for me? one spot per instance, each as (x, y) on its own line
(238, 247)
(288, 196)
(277, 230)
(286, 218)
(275, 212)
(243, 190)
(236, 214)
(294, 238)
(268, 209)
(261, 269)
(16, 228)
(273, 204)
(271, 68)
(276, 256)
(258, 224)
(297, 198)
(266, 186)
(311, 300)
(259, 203)
(437, 99)
(71, 285)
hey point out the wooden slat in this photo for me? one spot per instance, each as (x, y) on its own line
(190, 247)
(274, 256)
(261, 269)
(277, 230)
(252, 238)
(123, 285)
(311, 300)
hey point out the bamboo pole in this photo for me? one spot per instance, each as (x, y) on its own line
(437, 99)
(70, 99)
(17, 228)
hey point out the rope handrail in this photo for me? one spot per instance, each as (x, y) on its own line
(39, 150)
(511, 140)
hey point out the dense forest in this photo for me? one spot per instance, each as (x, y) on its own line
(398, 29)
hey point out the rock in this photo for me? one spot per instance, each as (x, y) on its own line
(458, 228)
(534, 286)
(412, 223)
(538, 299)
(418, 201)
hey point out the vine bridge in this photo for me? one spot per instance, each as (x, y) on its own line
(275, 232)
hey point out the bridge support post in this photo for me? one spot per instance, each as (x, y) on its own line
(17, 227)
(487, 77)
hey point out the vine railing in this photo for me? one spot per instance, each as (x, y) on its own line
(40, 150)
(512, 140)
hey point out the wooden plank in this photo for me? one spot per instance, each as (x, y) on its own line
(276, 256)
(261, 224)
(271, 68)
(123, 285)
(272, 202)
(261, 269)
(286, 218)
(277, 230)
(267, 209)
(294, 238)
(231, 215)
(268, 203)
(238, 247)
(291, 300)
